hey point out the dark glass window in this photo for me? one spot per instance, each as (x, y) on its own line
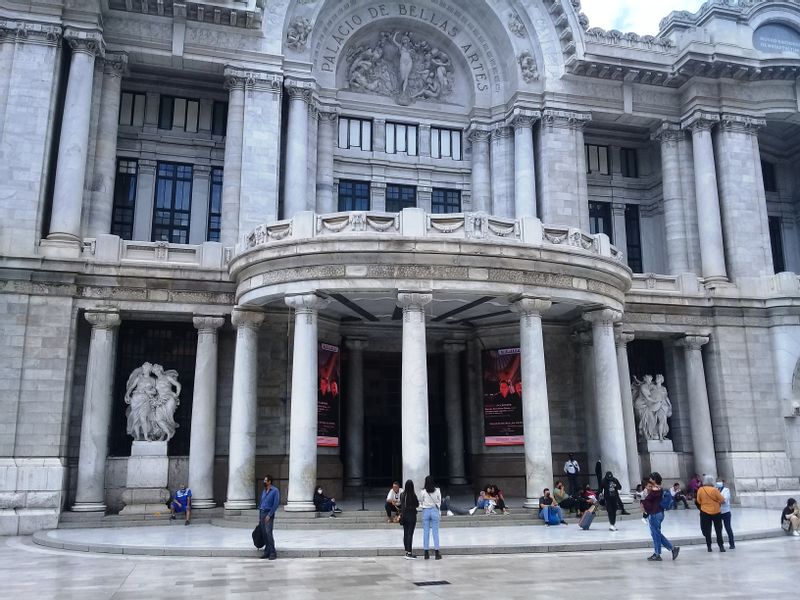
(124, 199)
(215, 206)
(597, 159)
(445, 201)
(776, 241)
(399, 197)
(219, 119)
(353, 195)
(131, 109)
(445, 143)
(600, 218)
(178, 113)
(768, 172)
(173, 203)
(630, 166)
(166, 106)
(634, 237)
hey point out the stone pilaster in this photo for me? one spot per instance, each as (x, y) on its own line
(453, 410)
(145, 193)
(670, 136)
(96, 418)
(204, 412)
(623, 338)
(712, 250)
(244, 410)
(524, 168)
(232, 176)
(608, 398)
(201, 188)
(294, 191)
(326, 141)
(481, 170)
(705, 457)
(354, 411)
(535, 406)
(502, 151)
(414, 393)
(65, 220)
(303, 418)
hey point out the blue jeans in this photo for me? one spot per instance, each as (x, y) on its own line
(655, 531)
(430, 522)
(266, 530)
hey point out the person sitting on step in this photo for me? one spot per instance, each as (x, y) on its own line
(392, 505)
(323, 503)
(182, 503)
(549, 511)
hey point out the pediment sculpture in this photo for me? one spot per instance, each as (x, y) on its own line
(152, 395)
(652, 406)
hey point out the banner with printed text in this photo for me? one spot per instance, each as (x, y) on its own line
(502, 398)
(328, 391)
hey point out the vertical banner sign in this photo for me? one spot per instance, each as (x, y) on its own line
(502, 398)
(328, 396)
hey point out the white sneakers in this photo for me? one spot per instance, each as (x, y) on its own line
(472, 510)
(795, 532)
(450, 513)
(612, 528)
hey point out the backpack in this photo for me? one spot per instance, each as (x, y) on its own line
(667, 501)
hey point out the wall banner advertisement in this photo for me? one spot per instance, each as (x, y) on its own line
(328, 396)
(502, 398)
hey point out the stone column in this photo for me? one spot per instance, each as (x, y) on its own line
(65, 220)
(584, 341)
(609, 414)
(623, 338)
(481, 174)
(669, 136)
(97, 401)
(619, 233)
(232, 175)
(524, 170)
(354, 407)
(712, 250)
(705, 457)
(303, 418)
(244, 410)
(7, 35)
(145, 193)
(453, 410)
(326, 141)
(502, 151)
(535, 407)
(689, 204)
(204, 413)
(201, 189)
(743, 200)
(294, 190)
(105, 168)
(414, 393)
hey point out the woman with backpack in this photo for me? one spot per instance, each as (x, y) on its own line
(408, 517)
(610, 489)
(653, 506)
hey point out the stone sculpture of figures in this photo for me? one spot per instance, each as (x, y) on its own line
(152, 395)
(653, 407)
(297, 34)
(406, 62)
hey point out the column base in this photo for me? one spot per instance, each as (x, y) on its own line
(203, 503)
(61, 245)
(239, 505)
(716, 280)
(458, 481)
(531, 503)
(299, 506)
(355, 482)
(89, 507)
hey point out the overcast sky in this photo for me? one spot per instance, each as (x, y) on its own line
(640, 16)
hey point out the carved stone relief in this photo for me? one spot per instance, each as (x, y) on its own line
(516, 26)
(527, 65)
(297, 33)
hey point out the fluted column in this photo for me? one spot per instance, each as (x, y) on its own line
(481, 173)
(712, 250)
(105, 168)
(705, 457)
(202, 441)
(670, 136)
(608, 398)
(303, 417)
(535, 406)
(584, 341)
(453, 410)
(524, 170)
(502, 151)
(295, 187)
(244, 410)
(65, 220)
(623, 338)
(232, 176)
(97, 399)
(326, 141)
(354, 407)
(414, 382)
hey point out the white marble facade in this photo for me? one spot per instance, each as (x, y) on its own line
(425, 179)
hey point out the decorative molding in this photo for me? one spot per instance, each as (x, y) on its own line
(242, 14)
(565, 118)
(669, 133)
(742, 123)
(116, 64)
(237, 78)
(85, 42)
(299, 89)
(32, 33)
(701, 121)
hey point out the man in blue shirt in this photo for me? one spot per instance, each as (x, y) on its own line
(267, 506)
(182, 503)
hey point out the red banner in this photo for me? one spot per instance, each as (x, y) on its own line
(328, 395)
(502, 398)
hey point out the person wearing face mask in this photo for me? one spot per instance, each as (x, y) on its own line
(323, 503)
(725, 511)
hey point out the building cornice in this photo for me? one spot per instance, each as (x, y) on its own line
(242, 14)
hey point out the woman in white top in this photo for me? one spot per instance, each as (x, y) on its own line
(430, 500)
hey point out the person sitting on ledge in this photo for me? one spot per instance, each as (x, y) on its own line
(493, 493)
(790, 517)
(567, 502)
(392, 505)
(547, 506)
(323, 503)
(182, 503)
(678, 495)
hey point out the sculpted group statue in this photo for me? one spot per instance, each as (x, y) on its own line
(152, 398)
(652, 406)
(402, 67)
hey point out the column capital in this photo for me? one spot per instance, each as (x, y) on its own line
(35, 33)
(694, 342)
(523, 118)
(668, 133)
(146, 165)
(259, 80)
(299, 89)
(478, 133)
(245, 317)
(583, 337)
(325, 114)
(116, 64)
(413, 301)
(355, 343)
(603, 316)
(86, 42)
(622, 337)
(742, 123)
(700, 121)
(304, 303)
(453, 346)
(502, 131)
(525, 305)
(565, 118)
(100, 318)
(207, 324)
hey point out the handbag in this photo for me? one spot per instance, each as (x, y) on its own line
(258, 537)
(786, 525)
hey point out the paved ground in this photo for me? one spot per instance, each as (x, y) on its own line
(757, 569)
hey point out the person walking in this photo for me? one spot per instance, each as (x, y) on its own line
(430, 500)
(709, 500)
(725, 511)
(572, 468)
(267, 505)
(610, 489)
(408, 517)
(653, 511)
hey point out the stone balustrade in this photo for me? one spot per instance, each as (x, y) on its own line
(111, 249)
